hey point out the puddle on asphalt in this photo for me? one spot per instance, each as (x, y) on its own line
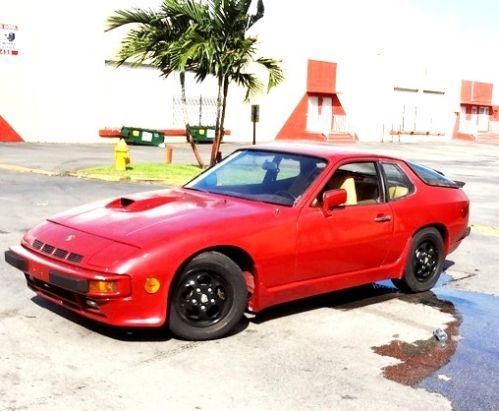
(466, 368)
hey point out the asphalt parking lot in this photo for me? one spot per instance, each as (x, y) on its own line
(369, 348)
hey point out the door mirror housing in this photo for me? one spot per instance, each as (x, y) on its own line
(333, 199)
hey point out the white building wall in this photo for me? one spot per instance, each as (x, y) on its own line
(136, 97)
(50, 91)
(60, 89)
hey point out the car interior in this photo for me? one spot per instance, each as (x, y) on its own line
(359, 180)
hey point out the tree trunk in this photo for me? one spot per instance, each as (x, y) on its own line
(222, 118)
(215, 146)
(188, 134)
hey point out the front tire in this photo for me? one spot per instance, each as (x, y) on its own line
(208, 298)
(425, 262)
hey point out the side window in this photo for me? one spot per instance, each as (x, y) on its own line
(359, 180)
(398, 184)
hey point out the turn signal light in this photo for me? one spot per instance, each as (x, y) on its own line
(151, 285)
(102, 287)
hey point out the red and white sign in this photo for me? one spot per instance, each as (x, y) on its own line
(8, 39)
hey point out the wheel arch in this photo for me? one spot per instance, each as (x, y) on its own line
(240, 256)
(441, 228)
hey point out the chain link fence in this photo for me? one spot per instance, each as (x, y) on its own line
(201, 111)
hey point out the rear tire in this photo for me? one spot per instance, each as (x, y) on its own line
(208, 298)
(425, 262)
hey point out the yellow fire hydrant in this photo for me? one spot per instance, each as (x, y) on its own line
(121, 155)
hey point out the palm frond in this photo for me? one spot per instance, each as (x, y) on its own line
(134, 16)
(250, 82)
(275, 72)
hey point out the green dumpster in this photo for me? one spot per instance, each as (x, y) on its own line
(142, 136)
(203, 134)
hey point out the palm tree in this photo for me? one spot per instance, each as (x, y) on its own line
(205, 37)
(150, 42)
(218, 42)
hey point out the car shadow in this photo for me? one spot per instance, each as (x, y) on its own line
(347, 299)
(161, 334)
(116, 333)
(448, 264)
(351, 298)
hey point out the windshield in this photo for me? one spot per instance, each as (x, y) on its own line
(273, 177)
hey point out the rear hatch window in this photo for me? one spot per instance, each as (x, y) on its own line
(433, 177)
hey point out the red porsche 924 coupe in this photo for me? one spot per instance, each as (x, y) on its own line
(267, 225)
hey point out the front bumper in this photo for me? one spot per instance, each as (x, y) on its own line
(68, 286)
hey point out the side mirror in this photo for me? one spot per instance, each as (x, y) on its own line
(333, 199)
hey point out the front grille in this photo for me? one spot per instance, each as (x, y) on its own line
(75, 258)
(60, 253)
(57, 252)
(48, 249)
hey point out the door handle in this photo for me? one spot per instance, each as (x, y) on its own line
(382, 218)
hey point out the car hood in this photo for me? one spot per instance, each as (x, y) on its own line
(141, 219)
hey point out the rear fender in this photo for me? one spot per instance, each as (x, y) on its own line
(400, 265)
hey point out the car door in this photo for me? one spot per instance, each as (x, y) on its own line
(356, 236)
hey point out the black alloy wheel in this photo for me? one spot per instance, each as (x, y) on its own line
(203, 298)
(425, 260)
(208, 298)
(424, 263)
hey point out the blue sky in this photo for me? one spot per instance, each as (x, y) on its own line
(471, 13)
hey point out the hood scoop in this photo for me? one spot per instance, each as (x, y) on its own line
(142, 204)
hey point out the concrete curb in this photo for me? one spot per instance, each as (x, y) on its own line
(21, 169)
(116, 178)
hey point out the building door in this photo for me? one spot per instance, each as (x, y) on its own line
(474, 114)
(483, 119)
(320, 115)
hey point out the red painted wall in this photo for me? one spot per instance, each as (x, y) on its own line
(337, 107)
(7, 133)
(476, 92)
(495, 113)
(321, 77)
(321, 83)
(296, 124)
(468, 108)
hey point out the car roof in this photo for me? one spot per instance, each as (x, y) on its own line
(317, 149)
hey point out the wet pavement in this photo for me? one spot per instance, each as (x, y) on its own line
(471, 376)
(468, 359)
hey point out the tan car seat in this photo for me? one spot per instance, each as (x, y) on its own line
(397, 191)
(347, 183)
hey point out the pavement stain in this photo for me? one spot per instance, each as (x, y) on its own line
(422, 358)
(469, 355)
(9, 313)
(162, 355)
